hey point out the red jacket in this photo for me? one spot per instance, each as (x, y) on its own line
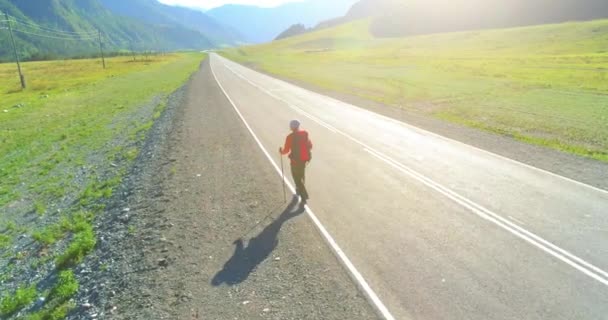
(298, 145)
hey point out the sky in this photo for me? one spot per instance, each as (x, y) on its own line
(208, 4)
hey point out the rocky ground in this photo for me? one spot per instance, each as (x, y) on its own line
(201, 230)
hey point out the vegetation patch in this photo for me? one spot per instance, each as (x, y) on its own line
(55, 232)
(5, 241)
(57, 306)
(21, 298)
(84, 241)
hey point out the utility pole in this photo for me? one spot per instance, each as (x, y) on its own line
(156, 44)
(103, 59)
(132, 51)
(10, 31)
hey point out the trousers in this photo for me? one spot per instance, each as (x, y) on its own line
(298, 172)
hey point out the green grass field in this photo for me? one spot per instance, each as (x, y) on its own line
(65, 144)
(546, 85)
(70, 109)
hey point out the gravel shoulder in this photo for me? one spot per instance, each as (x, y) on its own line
(201, 230)
(585, 170)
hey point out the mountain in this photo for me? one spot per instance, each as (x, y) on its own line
(46, 29)
(399, 19)
(393, 18)
(259, 25)
(366, 9)
(154, 12)
(292, 31)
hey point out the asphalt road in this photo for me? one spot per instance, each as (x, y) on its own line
(437, 228)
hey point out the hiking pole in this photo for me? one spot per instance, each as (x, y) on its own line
(283, 179)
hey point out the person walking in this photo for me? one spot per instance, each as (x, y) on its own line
(298, 146)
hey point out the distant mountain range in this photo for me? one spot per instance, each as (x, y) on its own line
(154, 12)
(259, 25)
(396, 18)
(47, 29)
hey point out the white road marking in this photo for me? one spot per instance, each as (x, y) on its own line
(399, 122)
(315, 119)
(517, 220)
(353, 272)
(546, 246)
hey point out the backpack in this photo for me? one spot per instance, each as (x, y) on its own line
(299, 143)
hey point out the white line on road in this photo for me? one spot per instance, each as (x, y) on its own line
(546, 246)
(555, 251)
(315, 119)
(517, 220)
(353, 272)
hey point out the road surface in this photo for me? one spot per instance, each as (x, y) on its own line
(436, 228)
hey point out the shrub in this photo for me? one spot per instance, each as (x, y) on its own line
(83, 242)
(5, 241)
(22, 297)
(66, 287)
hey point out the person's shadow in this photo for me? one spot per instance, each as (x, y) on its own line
(245, 260)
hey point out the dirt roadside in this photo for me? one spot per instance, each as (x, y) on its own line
(202, 231)
(585, 170)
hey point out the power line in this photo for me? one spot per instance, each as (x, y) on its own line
(61, 34)
(26, 27)
(48, 33)
(49, 29)
(19, 20)
(54, 37)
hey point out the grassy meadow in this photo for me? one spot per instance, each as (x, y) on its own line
(65, 143)
(545, 85)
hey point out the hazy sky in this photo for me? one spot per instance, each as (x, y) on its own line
(208, 4)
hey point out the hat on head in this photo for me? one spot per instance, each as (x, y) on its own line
(294, 124)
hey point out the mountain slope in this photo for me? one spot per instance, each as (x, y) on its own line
(79, 21)
(264, 24)
(393, 18)
(152, 11)
(292, 31)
